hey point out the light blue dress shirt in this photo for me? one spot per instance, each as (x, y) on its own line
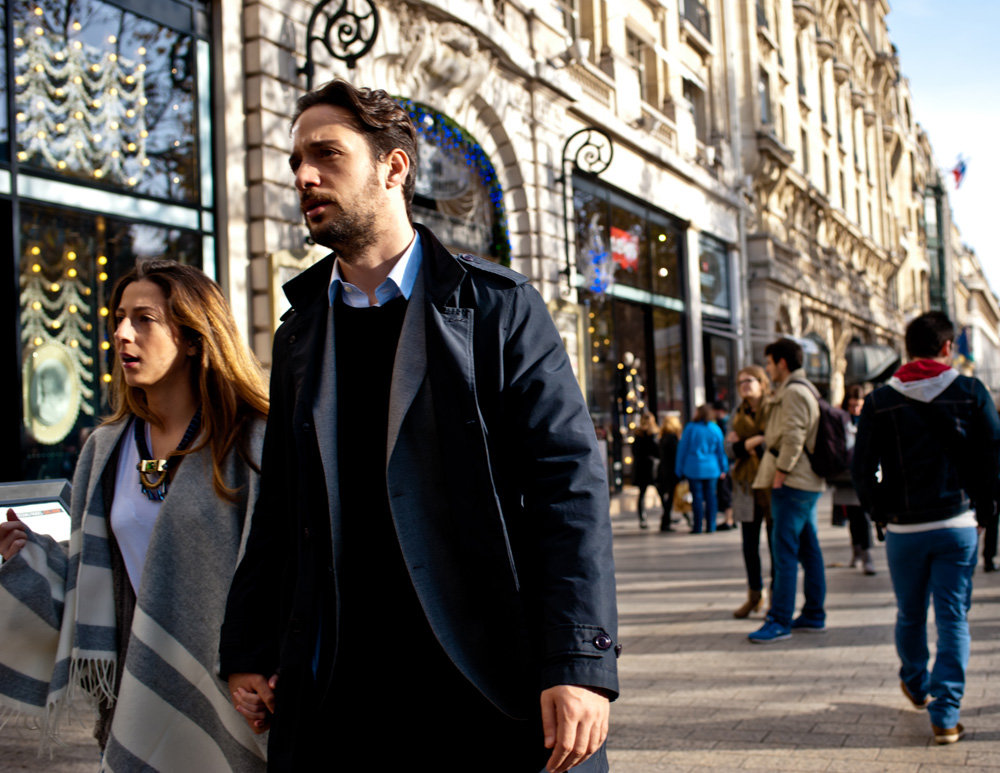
(399, 282)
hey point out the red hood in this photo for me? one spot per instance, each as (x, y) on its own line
(920, 369)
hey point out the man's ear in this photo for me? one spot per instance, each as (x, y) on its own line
(399, 167)
(946, 349)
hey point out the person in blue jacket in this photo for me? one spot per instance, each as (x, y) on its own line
(701, 458)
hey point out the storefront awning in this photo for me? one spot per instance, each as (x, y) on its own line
(870, 363)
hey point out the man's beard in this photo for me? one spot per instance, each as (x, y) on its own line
(345, 232)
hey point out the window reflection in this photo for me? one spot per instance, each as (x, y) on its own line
(68, 264)
(105, 96)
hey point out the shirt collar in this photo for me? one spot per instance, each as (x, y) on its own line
(400, 281)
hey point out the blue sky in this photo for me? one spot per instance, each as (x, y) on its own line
(950, 52)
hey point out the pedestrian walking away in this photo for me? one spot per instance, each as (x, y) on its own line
(430, 561)
(666, 475)
(701, 458)
(785, 470)
(646, 454)
(925, 465)
(160, 503)
(846, 505)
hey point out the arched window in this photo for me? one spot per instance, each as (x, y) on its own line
(458, 194)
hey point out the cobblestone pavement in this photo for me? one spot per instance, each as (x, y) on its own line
(698, 696)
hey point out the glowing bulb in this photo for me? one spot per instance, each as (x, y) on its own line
(19, 80)
(145, 134)
(77, 45)
(175, 106)
(129, 79)
(60, 127)
(39, 31)
(620, 366)
(596, 344)
(176, 180)
(145, 162)
(73, 309)
(36, 250)
(22, 156)
(39, 68)
(40, 135)
(143, 101)
(104, 311)
(130, 147)
(663, 272)
(177, 143)
(595, 358)
(56, 324)
(103, 277)
(130, 113)
(36, 306)
(78, 115)
(40, 105)
(71, 255)
(54, 287)
(106, 378)
(113, 92)
(113, 58)
(628, 379)
(36, 268)
(97, 138)
(98, 173)
(141, 68)
(141, 51)
(112, 39)
(22, 117)
(628, 459)
(132, 181)
(95, 68)
(79, 145)
(71, 273)
(18, 42)
(101, 260)
(37, 341)
(114, 124)
(74, 343)
(661, 238)
(38, 11)
(76, 26)
(105, 345)
(115, 154)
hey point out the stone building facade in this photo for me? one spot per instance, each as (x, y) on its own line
(682, 182)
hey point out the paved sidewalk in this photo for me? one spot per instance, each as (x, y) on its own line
(697, 695)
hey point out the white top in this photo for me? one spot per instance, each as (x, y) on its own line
(960, 521)
(399, 282)
(133, 514)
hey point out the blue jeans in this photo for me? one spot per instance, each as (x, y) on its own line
(936, 563)
(794, 541)
(703, 503)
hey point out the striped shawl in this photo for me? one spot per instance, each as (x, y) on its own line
(58, 624)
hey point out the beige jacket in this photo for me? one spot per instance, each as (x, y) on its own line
(792, 422)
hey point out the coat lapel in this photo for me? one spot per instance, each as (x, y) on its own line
(410, 364)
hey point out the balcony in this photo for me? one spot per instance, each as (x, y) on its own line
(697, 16)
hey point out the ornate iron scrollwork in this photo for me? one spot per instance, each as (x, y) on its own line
(592, 155)
(349, 32)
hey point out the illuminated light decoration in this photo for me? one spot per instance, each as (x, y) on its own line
(661, 238)
(628, 379)
(441, 131)
(56, 313)
(106, 378)
(621, 366)
(633, 371)
(595, 358)
(82, 106)
(631, 425)
(596, 344)
(104, 278)
(21, 117)
(591, 330)
(36, 268)
(105, 345)
(663, 271)
(38, 10)
(18, 42)
(628, 460)
(39, 31)
(102, 260)
(104, 311)
(141, 51)
(112, 39)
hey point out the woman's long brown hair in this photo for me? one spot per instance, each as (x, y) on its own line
(225, 375)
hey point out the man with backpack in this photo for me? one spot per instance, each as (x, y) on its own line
(793, 421)
(925, 466)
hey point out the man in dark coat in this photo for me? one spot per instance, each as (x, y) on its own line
(429, 570)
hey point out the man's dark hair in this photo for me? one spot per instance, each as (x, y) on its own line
(384, 124)
(785, 349)
(928, 333)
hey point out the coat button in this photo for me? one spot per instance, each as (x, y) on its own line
(291, 339)
(306, 426)
(602, 641)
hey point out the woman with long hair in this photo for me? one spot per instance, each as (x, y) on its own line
(666, 476)
(701, 459)
(646, 452)
(751, 507)
(846, 505)
(161, 500)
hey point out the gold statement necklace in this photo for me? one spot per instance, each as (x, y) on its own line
(154, 474)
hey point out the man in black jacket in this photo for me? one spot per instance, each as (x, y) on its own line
(429, 571)
(925, 464)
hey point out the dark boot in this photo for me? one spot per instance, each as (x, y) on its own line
(754, 603)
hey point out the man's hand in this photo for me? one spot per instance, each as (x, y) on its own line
(13, 536)
(253, 697)
(575, 722)
(779, 479)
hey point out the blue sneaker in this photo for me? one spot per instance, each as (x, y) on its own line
(803, 625)
(770, 632)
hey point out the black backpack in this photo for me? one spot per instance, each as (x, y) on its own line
(829, 458)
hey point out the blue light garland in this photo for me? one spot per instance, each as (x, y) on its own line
(443, 132)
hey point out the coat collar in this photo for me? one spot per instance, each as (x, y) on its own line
(442, 272)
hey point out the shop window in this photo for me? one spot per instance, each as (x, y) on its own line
(458, 194)
(105, 96)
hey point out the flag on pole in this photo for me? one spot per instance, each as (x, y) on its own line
(959, 172)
